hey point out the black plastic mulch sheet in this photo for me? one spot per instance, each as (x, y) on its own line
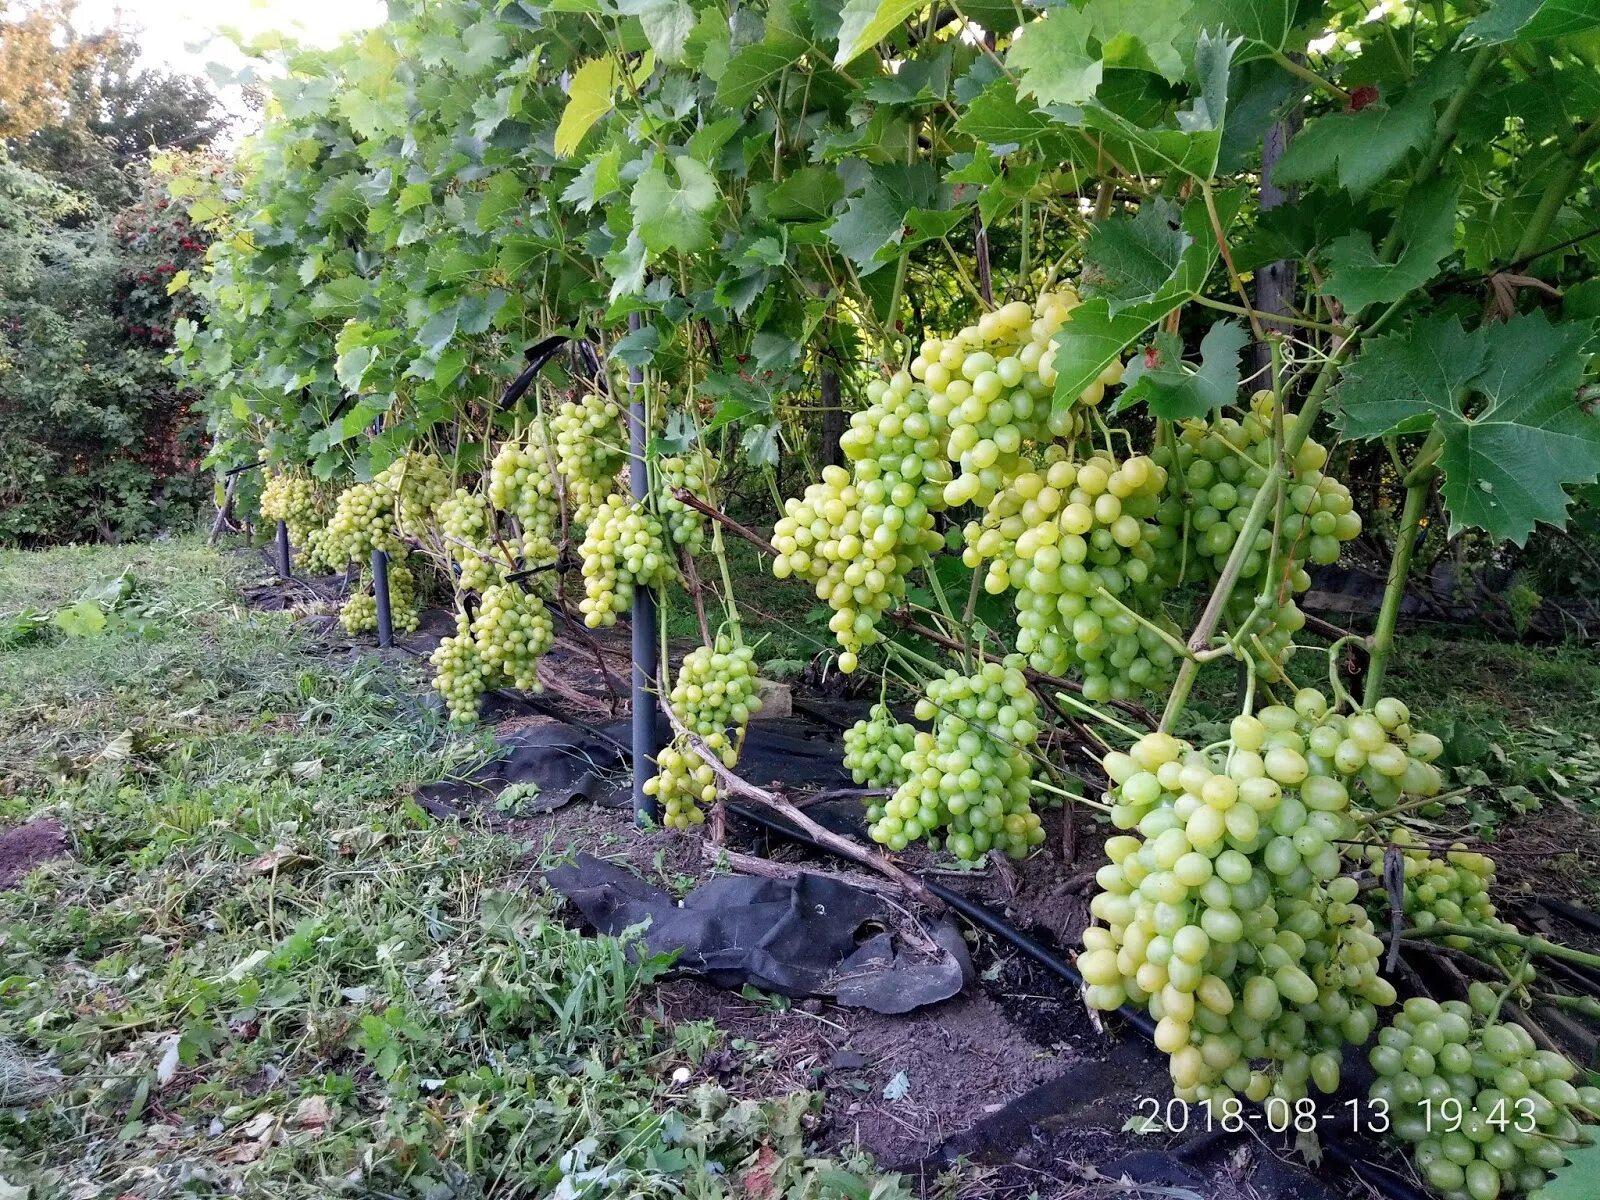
(569, 763)
(809, 936)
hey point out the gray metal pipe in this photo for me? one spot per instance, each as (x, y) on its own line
(380, 595)
(645, 663)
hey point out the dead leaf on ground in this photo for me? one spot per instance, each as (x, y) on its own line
(281, 861)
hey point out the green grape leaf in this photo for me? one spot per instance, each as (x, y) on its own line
(1093, 337)
(1575, 1180)
(1504, 398)
(1531, 21)
(757, 65)
(1361, 148)
(1426, 228)
(1128, 260)
(1052, 59)
(83, 619)
(865, 23)
(1159, 378)
(674, 217)
(507, 190)
(995, 116)
(589, 97)
(878, 216)
(667, 25)
(1264, 25)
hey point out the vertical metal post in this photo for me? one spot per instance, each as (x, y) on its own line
(282, 550)
(380, 594)
(645, 663)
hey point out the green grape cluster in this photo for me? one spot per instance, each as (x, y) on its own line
(363, 521)
(716, 691)
(874, 748)
(1378, 749)
(694, 472)
(1484, 1111)
(971, 777)
(682, 784)
(467, 524)
(992, 386)
(1218, 468)
(294, 499)
(623, 548)
(1226, 914)
(512, 629)
(1077, 543)
(360, 611)
(1452, 888)
(418, 482)
(522, 484)
(590, 450)
(459, 673)
(858, 533)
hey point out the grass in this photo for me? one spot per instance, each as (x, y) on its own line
(263, 971)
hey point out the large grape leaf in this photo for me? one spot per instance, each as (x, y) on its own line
(1359, 276)
(1264, 25)
(1575, 1179)
(865, 23)
(1128, 260)
(1531, 21)
(1504, 398)
(589, 97)
(672, 216)
(1053, 60)
(1093, 337)
(878, 217)
(757, 65)
(1361, 148)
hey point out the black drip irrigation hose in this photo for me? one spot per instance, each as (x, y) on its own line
(1383, 1180)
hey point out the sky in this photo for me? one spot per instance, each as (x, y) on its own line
(181, 35)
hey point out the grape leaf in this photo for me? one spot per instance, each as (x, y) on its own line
(1505, 400)
(1171, 391)
(1052, 58)
(997, 117)
(589, 97)
(1531, 21)
(878, 216)
(672, 217)
(1426, 227)
(1263, 24)
(1093, 337)
(1575, 1180)
(1360, 148)
(667, 25)
(865, 23)
(757, 65)
(1127, 260)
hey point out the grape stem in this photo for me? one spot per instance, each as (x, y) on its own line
(1504, 937)
(749, 535)
(1409, 805)
(1340, 693)
(1066, 795)
(1178, 647)
(1091, 711)
(735, 785)
(1419, 484)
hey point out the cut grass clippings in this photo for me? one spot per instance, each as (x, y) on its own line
(263, 971)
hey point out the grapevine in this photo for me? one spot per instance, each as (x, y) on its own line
(511, 630)
(363, 521)
(467, 524)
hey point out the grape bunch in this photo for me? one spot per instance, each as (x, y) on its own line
(694, 472)
(683, 782)
(971, 776)
(874, 748)
(1227, 916)
(292, 498)
(1485, 1112)
(360, 612)
(1077, 543)
(467, 524)
(459, 673)
(590, 450)
(1218, 468)
(419, 482)
(623, 548)
(363, 521)
(715, 691)
(1378, 749)
(1451, 889)
(512, 629)
(992, 385)
(522, 484)
(857, 534)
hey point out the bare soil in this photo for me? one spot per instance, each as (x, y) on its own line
(24, 847)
